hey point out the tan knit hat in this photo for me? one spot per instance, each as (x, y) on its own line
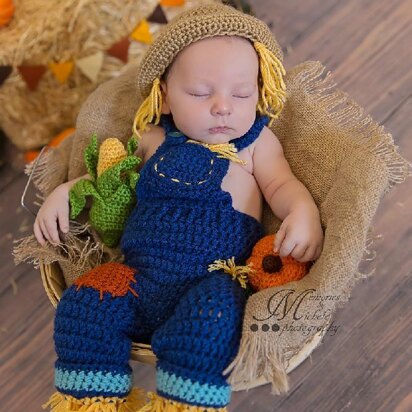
(199, 23)
(196, 24)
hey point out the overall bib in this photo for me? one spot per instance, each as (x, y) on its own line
(183, 222)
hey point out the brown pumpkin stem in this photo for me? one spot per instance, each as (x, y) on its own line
(272, 264)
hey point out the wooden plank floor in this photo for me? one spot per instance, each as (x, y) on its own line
(367, 364)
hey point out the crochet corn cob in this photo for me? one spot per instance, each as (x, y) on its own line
(111, 152)
(112, 187)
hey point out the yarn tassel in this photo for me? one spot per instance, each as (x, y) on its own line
(238, 272)
(60, 402)
(225, 150)
(159, 404)
(273, 89)
(149, 109)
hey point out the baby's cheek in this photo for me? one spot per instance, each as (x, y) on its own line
(246, 119)
(183, 125)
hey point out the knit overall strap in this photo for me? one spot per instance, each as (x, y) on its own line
(239, 143)
(166, 121)
(252, 134)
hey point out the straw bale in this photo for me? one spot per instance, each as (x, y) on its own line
(44, 31)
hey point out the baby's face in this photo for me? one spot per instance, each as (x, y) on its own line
(213, 84)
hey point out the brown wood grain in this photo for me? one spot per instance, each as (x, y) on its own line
(366, 365)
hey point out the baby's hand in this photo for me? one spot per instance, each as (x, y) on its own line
(300, 236)
(55, 210)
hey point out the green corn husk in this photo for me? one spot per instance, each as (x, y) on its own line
(113, 193)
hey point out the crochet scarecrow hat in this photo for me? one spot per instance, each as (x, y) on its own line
(200, 23)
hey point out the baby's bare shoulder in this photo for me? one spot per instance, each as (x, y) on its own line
(266, 146)
(154, 130)
(153, 135)
(150, 140)
(267, 140)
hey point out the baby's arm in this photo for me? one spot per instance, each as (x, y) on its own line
(301, 233)
(54, 213)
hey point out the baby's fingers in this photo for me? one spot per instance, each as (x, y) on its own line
(44, 230)
(51, 229)
(309, 255)
(299, 251)
(280, 236)
(38, 233)
(63, 221)
(287, 246)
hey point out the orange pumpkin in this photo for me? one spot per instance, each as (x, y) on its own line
(6, 11)
(172, 3)
(269, 269)
(32, 154)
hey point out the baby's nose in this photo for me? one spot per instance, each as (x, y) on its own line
(221, 106)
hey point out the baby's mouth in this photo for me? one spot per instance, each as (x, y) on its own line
(223, 129)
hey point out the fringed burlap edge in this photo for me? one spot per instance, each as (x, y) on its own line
(260, 358)
(347, 114)
(47, 171)
(76, 253)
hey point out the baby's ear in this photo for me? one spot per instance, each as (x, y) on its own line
(165, 105)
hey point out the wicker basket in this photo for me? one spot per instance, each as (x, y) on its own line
(54, 284)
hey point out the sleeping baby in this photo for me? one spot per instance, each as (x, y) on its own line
(209, 160)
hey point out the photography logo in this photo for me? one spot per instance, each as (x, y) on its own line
(302, 312)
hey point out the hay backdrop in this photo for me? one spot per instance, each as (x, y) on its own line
(44, 31)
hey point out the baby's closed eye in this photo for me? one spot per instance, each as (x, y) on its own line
(199, 94)
(207, 94)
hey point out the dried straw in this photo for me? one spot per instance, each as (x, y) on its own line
(44, 31)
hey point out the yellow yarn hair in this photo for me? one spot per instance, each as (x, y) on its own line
(273, 89)
(150, 109)
(272, 92)
(225, 150)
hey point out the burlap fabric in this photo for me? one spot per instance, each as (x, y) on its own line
(346, 160)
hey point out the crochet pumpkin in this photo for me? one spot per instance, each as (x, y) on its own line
(112, 169)
(268, 269)
(6, 11)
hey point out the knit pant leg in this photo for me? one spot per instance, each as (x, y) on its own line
(198, 342)
(94, 321)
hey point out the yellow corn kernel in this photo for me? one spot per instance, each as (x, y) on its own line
(111, 152)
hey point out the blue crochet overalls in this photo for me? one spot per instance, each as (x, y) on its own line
(183, 222)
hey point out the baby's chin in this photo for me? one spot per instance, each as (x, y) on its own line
(215, 138)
